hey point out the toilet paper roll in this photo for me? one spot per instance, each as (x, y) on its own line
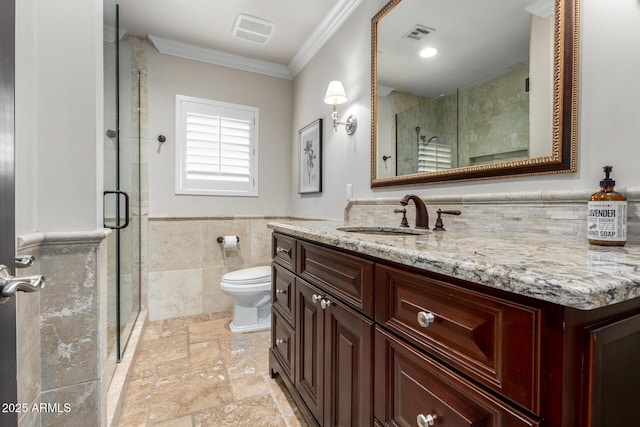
(230, 242)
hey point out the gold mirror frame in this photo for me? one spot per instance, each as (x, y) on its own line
(564, 150)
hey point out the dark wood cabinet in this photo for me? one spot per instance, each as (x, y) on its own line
(334, 356)
(348, 358)
(490, 339)
(309, 378)
(329, 371)
(361, 341)
(414, 390)
(613, 373)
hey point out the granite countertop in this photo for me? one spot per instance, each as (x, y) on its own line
(558, 269)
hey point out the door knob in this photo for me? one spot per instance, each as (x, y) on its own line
(10, 284)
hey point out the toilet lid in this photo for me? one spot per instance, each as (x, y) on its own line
(249, 275)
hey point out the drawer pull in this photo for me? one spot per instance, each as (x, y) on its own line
(281, 341)
(425, 421)
(281, 291)
(316, 298)
(425, 319)
(280, 250)
(325, 303)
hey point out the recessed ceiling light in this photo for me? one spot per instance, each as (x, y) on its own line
(428, 52)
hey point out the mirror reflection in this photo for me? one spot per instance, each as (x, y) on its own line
(466, 86)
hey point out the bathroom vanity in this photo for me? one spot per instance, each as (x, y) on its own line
(461, 328)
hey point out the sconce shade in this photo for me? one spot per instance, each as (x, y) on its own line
(335, 93)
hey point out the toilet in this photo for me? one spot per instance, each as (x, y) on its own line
(251, 289)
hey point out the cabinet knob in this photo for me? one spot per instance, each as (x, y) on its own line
(283, 250)
(325, 303)
(425, 421)
(425, 318)
(282, 341)
(316, 297)
(281, 291)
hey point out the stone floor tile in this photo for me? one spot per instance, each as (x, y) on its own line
(256, 411)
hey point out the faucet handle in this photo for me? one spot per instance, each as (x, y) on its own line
(404, 223)
(439, 225)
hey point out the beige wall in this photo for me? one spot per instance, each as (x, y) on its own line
(170, 75)
(608, 112)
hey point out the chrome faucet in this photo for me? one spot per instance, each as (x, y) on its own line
(422, 216)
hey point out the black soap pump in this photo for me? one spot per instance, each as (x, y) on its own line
(607, 219)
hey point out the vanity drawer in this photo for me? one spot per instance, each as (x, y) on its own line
(413, 386)
(495, 341)
(284, 250)
(283, 291)
(347, 277)
(283, 342)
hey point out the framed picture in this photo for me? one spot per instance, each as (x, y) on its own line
(310, 146)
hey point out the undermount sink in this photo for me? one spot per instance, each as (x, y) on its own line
(390, 231)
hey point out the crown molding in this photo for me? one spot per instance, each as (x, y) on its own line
(217, 57)
(329, 25)
(109, 34)
(541, 8)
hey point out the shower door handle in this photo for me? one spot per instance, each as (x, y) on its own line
(118, 226)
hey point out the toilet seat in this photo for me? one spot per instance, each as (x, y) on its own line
(248, 276)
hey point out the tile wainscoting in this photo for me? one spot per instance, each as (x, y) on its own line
(186, 263)
(553, 212)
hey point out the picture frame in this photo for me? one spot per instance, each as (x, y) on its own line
(310, 158)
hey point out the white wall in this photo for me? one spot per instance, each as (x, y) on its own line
(58, 115)
(609, 112)
(170, 75)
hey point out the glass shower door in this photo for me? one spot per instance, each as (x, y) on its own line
(122, 186)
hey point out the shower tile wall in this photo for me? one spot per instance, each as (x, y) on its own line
(186, 263)
(139, 47)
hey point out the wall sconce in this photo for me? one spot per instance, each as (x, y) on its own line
(336, 95)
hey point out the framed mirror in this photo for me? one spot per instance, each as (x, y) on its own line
(497, 98)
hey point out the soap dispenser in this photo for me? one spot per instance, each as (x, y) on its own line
(607, 220)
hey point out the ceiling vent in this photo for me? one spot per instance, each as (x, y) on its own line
(418, 32)
(250, 28)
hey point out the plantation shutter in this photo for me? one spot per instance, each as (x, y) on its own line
(218, 148)
(433, 157)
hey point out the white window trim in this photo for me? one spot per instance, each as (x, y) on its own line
(183, 185)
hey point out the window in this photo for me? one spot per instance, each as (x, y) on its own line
(216, 148)
(433, 157)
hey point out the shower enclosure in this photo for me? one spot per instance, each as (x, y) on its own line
(480, 124)
(121, 184)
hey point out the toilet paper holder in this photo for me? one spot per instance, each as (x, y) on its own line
(220, 239)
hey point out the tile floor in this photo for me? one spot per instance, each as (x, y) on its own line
(193, 372)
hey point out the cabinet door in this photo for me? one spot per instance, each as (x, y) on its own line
(283, 292)
(309, 379)
(283, 341)
(348, 366)
(614, 375)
